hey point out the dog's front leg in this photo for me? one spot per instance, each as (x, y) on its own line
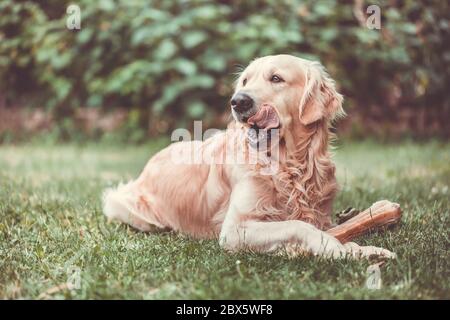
(277, 236)
(240, 231)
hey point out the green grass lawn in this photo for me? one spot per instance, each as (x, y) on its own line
(52, 231)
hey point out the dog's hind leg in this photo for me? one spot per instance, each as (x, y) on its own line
(124, 204)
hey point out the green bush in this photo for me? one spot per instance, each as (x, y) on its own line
(174, 60)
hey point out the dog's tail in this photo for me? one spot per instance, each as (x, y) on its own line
(122, 203)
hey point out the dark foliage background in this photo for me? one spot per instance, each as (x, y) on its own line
(141, 68)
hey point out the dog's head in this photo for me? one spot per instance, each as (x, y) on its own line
(281, 92)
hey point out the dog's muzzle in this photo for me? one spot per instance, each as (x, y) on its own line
(243, 106)
(264, 128)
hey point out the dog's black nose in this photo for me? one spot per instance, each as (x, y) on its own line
(241, 102)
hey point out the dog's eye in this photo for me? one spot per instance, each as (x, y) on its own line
(276, 79)
(244, 82)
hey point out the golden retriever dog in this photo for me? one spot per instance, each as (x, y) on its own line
(278, 196)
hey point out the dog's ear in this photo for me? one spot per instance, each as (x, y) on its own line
(320, 98)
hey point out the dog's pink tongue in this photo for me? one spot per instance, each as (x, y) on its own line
(266, 118)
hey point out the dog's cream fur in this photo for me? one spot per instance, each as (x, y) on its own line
(245, 209)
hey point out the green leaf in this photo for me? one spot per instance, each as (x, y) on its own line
(107, 5)
(185, 66)
(215, 62)
(85, 35)
(95, 100)
(192, 39)
(165, 50)
(196, 109)
(142, 35)
(409, 28)
(202, 81)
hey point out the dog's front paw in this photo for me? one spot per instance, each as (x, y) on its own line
(383, 206)
(369, 252)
